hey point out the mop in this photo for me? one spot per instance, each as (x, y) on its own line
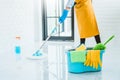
(101, 46)
(38, 54)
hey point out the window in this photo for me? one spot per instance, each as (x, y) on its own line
(51, 11)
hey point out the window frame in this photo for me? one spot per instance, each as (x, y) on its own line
(45, 25)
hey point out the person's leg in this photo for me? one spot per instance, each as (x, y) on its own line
(82, 41)
(97, 38)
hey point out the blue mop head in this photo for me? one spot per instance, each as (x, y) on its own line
(37, 56)
(37, 53)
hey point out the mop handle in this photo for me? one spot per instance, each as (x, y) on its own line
(49, 35)
(109, 39)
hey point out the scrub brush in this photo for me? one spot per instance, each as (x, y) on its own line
(101, 46)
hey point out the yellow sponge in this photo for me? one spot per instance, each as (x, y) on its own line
(81, 47)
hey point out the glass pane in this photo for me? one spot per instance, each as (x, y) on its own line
(61, 31)
(50, 24)
(55, 8)
(54, 11)
(67, 27)
(51, 7)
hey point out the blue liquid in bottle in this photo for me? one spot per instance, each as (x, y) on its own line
(17, 46)
(17, 49)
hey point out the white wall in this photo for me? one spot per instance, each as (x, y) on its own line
(16, 18)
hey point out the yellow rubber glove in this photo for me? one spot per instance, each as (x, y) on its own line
(81, 47)
(88, 59)
(93, 59)
(97, 60)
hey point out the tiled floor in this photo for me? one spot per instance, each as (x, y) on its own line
(54, 65)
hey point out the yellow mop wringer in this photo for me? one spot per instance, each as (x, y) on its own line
(38, 54)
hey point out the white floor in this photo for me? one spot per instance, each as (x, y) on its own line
(54, 66)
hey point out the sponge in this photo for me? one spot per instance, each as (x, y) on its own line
(81, 47)
(78, 56)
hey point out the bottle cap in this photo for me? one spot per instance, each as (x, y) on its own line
(18, 37)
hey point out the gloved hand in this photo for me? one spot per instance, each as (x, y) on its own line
(93, 59)
(64, 15)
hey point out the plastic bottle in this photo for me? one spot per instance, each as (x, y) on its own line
(17, 45)
(18, 51)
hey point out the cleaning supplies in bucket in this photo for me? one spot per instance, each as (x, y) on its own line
(79, 66)
(83, 60)
(91, 61)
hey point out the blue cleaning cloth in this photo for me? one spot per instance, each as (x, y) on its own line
(78, 56)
